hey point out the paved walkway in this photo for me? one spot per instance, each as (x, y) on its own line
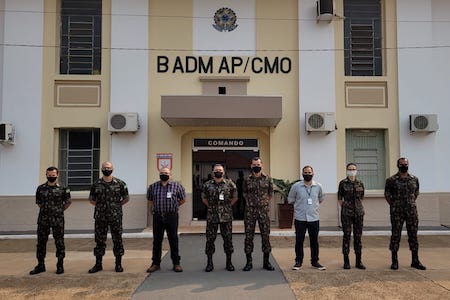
(17, 253)
(195, 283)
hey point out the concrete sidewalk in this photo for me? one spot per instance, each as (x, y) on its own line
(18, 258)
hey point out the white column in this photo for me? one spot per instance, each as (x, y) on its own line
(423, 72)
(317, 92)
(129, 89)
(21, 94)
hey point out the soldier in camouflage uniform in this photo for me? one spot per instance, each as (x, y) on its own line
(401, 191)
(219, 194)
(350, 195)
(258, 191)
(108, 194)
(52, 200)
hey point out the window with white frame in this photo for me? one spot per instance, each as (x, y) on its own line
(79, 157)
(81, 43)
(362, 38)
(366, 148)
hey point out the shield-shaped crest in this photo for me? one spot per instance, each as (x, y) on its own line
(164, 160)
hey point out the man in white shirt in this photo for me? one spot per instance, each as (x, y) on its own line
(306, 195)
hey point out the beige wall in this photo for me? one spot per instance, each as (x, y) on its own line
(282, 141)
(371, 117)
(77, 116)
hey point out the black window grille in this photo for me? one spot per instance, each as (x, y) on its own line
(79, 157)
(81, 42)
(362, 38)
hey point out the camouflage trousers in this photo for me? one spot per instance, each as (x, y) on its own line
(398, 218)
(101, 231)
(347, 223)
(43, 231)
(211, 234)
(253, 214)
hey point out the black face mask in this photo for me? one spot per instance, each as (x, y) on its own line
(403, 169)
(52, 179)
(307, 178)
(107, 172)
(164, 177)
(256, 170)
(218, 174)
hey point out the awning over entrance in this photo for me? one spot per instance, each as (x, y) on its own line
(222, 110)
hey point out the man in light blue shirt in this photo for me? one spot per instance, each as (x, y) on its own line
(306, 195)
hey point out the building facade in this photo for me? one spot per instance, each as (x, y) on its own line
(150, 83)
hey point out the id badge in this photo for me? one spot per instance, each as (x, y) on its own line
(221, 197)
(309, 201)
(169, 195)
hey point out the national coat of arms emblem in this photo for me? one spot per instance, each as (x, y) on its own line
(225, 19)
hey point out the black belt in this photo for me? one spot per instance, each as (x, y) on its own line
(166, 214)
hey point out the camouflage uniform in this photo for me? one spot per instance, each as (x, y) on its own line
(51, 200)
(403, 192)
(108, 212)
(352, 213)
(258, 192)
(219, 212)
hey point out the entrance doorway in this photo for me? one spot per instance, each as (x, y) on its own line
(237, 167)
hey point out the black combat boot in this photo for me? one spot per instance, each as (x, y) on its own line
(359, 263)
(249, 264)
(118, 267)
(39, 268)
(229, 265)
(415, 263)
(98, 265)
(394, 265)
(346, 262)
(60, 265)
(209, 264)
(266, 263)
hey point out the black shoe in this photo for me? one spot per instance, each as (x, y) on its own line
(297, 266)
(59, 269)
(417, 265)
(248, 266)
(96, 268)
(118, 268)
(230, 267)
(209, 267)
(268, 266)
(266, 263)
(318, 266)
(394, 265)
(346, 262)
(38, 269)
(60, 266)
(359, 265)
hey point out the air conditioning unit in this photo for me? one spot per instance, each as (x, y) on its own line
(7, 133)
(320, 121)
(123, 122)
(325, 10)
(423, 123)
